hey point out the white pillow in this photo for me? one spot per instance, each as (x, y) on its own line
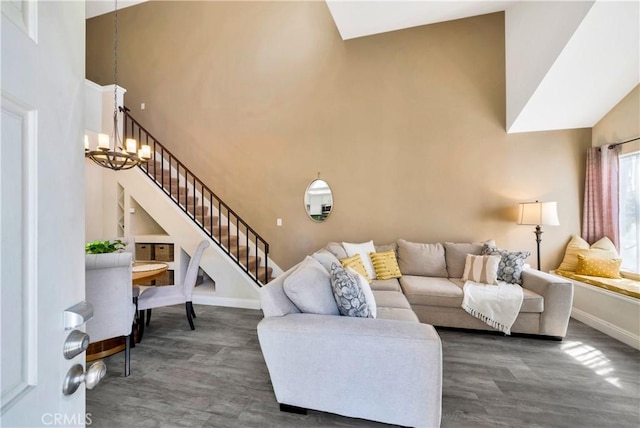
(482, 269)
(366, 290)
(363, 249)
(309, 288)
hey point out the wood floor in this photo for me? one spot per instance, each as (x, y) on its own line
(215, 376)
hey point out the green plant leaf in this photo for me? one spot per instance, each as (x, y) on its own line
(102, 247)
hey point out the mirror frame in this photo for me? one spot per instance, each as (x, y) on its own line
(324, 214)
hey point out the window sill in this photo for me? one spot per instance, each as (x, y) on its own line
(630, 275)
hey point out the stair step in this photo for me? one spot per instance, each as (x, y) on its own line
(206, 219)
(186, 200)
(221, 231)
(263, 276)
(252, 262)
(175, 186)
(240, 252)
(161, 175)
(200, 211)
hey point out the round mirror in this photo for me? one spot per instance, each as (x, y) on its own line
(318, 200)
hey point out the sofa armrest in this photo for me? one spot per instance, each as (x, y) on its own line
(558, 300)
(382, 370)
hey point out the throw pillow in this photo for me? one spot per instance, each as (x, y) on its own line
(603, 248)
(482, 269)
(366, 290)
(456, 255)
(593, 266)
(356, 264)
(348, 294)
(363, 249)
(325, 258)
(511, 263)
(386, 265)
(309, 288)
(421, 259)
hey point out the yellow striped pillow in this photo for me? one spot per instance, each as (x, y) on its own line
(385, 264)
(593, 266)
(355, 263)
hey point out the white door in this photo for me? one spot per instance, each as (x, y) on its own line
(41, 208)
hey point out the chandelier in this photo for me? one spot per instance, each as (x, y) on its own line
(116, 156)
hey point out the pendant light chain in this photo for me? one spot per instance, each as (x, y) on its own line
(122, 156)
(116, 136)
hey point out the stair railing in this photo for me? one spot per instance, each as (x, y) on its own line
(184, 189)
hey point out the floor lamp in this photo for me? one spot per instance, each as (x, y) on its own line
(538, 213)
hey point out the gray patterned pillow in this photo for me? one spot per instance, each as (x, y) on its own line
(511, 263)
(349, 296)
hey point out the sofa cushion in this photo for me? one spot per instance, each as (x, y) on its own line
(397, 314)
(273, 300)
(532, 302)
(391, 299)
(431, 291)
(482, 269)
(386, 247)
(421, 259)
(326, 258)
(363, 249)
(456, 256)
(348, 294)
(385, 264)
(309, 288)
(386, 284)
(337, 250)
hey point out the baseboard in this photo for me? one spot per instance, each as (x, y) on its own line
(226, 301)
(606, 328)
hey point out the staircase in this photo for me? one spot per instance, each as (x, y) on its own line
(243, 245)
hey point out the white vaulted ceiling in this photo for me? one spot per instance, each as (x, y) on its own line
(567, 62)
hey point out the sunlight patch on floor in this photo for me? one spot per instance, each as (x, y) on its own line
(593, 359)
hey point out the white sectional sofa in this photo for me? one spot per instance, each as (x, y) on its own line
(388, 368)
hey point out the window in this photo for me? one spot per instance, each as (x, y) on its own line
(630, 212)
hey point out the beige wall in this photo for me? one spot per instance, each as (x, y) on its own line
(622, 123)
(407, 127)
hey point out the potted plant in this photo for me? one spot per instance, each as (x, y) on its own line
(101, 247)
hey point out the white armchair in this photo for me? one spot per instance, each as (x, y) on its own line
(108, 288)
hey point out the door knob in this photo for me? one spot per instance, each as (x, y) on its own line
(76, 375)
(77, 342)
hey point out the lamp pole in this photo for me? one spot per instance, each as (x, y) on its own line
(538, 232)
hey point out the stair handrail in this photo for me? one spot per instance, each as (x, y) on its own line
(129, 132)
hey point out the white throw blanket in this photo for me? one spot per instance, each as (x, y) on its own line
(496, 305)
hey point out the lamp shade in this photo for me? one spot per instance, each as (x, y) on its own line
(538, 213)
